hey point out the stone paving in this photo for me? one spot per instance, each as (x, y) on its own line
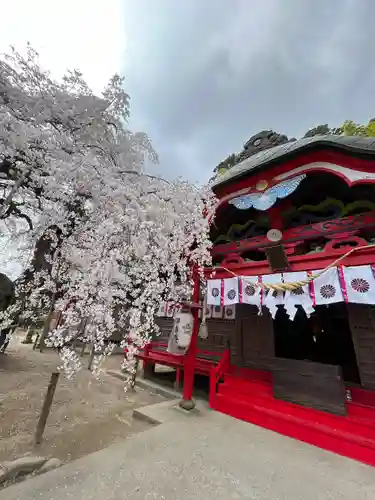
(207, 456)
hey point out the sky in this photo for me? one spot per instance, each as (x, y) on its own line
(85, 34)
(204, 76)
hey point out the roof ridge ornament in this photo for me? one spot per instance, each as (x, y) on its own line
(266, 139)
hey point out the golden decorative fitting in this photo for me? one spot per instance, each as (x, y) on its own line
(261, 185)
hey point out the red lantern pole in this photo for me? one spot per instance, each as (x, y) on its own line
(187, 402)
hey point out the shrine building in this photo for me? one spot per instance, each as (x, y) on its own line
(291, 295)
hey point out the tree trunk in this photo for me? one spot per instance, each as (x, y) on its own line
(47, 324)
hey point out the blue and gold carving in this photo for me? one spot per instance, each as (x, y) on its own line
(265, 200)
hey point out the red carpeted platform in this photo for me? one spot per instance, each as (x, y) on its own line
(248, 395)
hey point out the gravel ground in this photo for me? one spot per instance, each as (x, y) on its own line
(86, 414)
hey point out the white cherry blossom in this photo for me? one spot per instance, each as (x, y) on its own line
(123, 239)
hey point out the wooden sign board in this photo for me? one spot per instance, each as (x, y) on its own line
(277, 258)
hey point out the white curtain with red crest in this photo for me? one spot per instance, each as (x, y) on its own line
(354, 284)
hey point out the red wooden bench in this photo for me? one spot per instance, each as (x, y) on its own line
(156, 353)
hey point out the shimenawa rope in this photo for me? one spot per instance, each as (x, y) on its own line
(282, 287)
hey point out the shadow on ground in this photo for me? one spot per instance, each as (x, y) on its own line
(86, 415)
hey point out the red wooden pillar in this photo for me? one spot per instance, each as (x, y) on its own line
(275, 217)
(190, 358)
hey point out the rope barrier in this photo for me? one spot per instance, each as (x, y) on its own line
(282, 287)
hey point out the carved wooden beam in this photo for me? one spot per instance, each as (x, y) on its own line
(321, 229)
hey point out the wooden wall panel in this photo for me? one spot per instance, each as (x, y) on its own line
(254, 338)
(314, 385)
(220, 332)
(362, 325)
(165, 325)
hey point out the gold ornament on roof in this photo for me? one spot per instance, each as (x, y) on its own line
(261, 185)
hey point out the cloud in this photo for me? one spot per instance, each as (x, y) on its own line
(205, 76)
(69, 34)
(84, 34)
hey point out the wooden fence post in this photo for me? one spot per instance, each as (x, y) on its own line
(46, 407)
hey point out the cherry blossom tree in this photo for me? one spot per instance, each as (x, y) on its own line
(121, 240)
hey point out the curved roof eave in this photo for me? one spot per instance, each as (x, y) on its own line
(357, 144)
